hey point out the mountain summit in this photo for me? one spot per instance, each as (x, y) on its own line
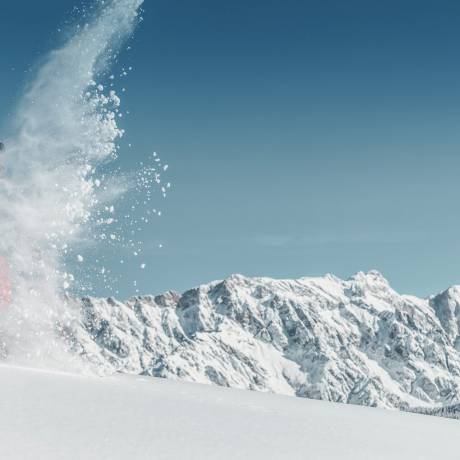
(356, 340)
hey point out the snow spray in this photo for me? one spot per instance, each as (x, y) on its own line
(52, 196)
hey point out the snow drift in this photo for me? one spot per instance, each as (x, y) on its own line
(55, 416)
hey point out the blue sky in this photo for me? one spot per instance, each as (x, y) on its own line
(303, 137)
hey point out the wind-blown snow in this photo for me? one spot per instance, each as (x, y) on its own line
(50, 193)
(57, 416)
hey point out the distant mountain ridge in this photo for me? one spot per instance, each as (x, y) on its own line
(355, 341)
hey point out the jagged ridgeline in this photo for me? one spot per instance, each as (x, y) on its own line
(355, 341)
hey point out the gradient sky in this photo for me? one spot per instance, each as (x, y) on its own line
(303, 137)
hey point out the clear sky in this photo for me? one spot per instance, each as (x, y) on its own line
(303, 137)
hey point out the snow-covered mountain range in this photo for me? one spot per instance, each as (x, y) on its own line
(354, 340)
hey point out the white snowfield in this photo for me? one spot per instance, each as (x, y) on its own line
(53, 416)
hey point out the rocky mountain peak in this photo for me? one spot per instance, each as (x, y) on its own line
(354, 341)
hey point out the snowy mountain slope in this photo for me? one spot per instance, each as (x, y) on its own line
(63, 417)
(355, 341)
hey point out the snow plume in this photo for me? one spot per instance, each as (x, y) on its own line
(65, 128)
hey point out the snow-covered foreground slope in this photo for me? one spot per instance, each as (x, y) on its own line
(355, 340)
(45, 416)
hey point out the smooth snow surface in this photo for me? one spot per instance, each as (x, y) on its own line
(58, 416)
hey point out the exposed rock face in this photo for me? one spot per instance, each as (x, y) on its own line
(355, 341)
